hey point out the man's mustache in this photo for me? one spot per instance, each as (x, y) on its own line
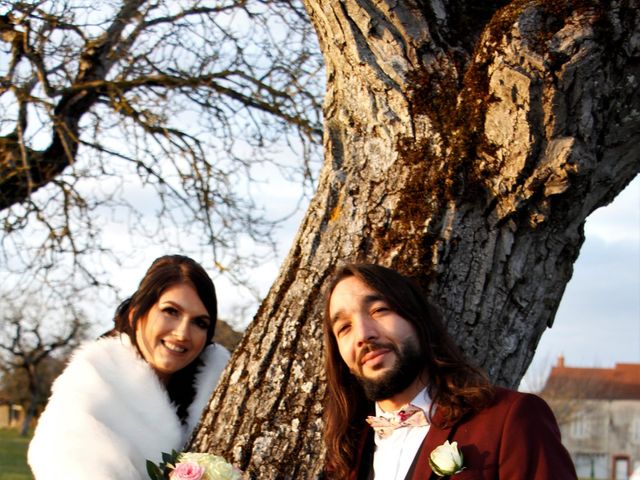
(372, 346)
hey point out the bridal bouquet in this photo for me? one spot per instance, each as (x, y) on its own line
(192, 466)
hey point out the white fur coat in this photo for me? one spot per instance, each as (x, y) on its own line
(108, 413)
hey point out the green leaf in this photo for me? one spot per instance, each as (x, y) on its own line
(168, 457)
(154, 471)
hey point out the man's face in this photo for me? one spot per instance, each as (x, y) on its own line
(379, 346)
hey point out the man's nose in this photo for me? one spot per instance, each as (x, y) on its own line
(366, 330)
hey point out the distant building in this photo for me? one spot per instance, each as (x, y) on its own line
(11, 414)
(598, 410)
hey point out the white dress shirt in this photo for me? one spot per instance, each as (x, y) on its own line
(394, 454)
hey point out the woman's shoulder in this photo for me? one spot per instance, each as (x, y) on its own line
(102, 345)
(103, 351)
(215, 354)
(214, 359)
(105, 364)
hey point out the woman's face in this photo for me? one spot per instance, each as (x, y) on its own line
(174, 332)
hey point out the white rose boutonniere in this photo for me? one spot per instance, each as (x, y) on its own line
(446, 460)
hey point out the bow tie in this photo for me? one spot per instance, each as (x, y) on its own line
(407, 416)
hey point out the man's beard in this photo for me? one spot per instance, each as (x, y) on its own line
(406, 369)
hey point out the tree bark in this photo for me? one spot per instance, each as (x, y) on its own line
(464, 147)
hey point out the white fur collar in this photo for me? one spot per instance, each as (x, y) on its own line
(215, 358)
(109, 413)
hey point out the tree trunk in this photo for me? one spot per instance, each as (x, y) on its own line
(35, 396)
(464, 146)
(29, 415)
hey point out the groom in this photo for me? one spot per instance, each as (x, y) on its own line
(398, 388)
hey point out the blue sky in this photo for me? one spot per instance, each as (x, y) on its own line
(598, 321)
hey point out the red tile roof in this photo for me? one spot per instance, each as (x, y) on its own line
(621, 382)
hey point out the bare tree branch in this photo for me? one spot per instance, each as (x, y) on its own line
(29, 344)
(185, 101)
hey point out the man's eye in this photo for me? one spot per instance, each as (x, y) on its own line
(342, 328)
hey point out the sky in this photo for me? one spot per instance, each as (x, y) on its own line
(598, 321)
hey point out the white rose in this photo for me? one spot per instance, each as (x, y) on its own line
(446, 459)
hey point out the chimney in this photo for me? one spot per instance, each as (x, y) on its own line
(560, 361)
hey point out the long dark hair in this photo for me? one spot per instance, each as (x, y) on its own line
(165, 272)
(455, 386)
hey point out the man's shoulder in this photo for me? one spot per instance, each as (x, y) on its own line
(502, 395)
(506, 400)
(508, 395)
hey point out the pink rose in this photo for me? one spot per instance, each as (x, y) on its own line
(187, 471)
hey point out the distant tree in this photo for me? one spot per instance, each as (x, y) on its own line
(156, 114)
(32, 347)
(14, 382)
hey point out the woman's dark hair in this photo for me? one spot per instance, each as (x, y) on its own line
(165, 272)
(456, 387)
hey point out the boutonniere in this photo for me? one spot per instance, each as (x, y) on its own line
(192, 466)
(446, 460)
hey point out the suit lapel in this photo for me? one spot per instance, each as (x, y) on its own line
(435, 437)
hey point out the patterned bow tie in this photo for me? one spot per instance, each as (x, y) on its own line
(408, 416)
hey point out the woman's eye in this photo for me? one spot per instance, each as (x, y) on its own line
(170, 311)
(202, 323)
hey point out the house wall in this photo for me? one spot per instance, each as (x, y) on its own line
(10, 415)
(4, 416)
(599, 433)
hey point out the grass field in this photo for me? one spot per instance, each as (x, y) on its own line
(13, 456)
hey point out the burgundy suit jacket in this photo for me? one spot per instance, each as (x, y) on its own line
(517, 437)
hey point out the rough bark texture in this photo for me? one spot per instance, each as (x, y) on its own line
(463, 145)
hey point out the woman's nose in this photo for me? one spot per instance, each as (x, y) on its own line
(182, 329)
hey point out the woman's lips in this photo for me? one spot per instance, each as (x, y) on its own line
(173, 347)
